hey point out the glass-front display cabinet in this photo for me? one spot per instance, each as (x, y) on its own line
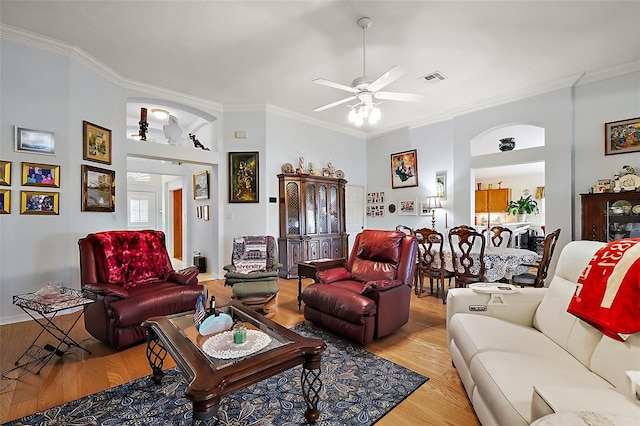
(610, 216)
(312, 220)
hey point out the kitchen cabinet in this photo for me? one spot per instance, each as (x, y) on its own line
(610, 216)
(312, 220)
(492, 200)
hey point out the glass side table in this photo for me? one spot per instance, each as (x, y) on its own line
(43, 308)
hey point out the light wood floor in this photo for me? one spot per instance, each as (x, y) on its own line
(420, 346)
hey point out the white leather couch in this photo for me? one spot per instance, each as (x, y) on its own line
(526, 357)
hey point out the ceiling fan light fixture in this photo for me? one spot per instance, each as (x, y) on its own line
(352, 115)
(375, 115)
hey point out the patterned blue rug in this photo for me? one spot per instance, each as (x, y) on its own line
(358, 389)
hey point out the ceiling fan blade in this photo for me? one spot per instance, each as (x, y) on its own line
(388, 77)
(335, 85)
(396, 96)
(332, 104)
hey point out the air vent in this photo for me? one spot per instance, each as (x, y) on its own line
(433, 78)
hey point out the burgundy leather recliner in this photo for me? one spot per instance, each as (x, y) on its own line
(369, 297)
(129, 273)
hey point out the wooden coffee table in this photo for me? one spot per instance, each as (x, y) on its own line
(210, 377)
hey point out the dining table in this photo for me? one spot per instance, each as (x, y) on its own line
(500, 262)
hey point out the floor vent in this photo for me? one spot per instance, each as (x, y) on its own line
(433, 77)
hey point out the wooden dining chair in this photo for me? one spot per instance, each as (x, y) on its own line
(537, 279)
(500, 236)
(405, 229)
(467, 255)
(431, 264)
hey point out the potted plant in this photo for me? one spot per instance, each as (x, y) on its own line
(523, 207)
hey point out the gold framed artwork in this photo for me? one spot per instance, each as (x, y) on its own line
(243, 177)
(5, 201)
(34, 141)
(96, 143)
(622, 136)
(98, 189)
(36, 174)
(404, 169)
(39, 202)
(201, 185)
(5, 173)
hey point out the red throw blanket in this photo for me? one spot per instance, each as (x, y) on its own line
(608, 292)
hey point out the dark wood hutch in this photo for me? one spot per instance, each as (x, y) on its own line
(609, 216)
(312, 220)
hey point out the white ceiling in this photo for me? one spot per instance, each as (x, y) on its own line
(247, 53)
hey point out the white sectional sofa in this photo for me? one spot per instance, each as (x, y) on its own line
(526, 357)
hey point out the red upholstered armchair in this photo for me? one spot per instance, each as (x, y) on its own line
(369, 297)
(130, 275)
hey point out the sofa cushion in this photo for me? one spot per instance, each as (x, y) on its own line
(129, 258)
(380, 246)
(367, 270)
(626, 356)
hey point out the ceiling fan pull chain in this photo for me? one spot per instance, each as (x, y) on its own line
(364, 51)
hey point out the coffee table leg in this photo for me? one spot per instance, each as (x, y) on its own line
(311, 387)
(156, 353)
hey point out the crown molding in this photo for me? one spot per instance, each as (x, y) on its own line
(78, 55)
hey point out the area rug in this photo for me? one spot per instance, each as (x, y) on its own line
(358, 389)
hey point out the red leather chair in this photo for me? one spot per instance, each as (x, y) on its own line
(129, 273)
(368, 298)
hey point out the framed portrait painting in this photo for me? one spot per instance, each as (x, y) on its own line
(201, 185)
(98, 189)
(39, 202)
(34, 141)
(404, 169)
(243, 177)
(35, 174)
(96, 143)
(622, 136)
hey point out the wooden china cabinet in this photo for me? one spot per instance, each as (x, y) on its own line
(312, 220)
(610, 216)
(492, 200)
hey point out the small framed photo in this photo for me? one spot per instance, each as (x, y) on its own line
(201, 185)
(98, 189)
(243, 177)
(39, 202)
(5, 201)
(407, 208)
(5, 173)
(34, 141)
(424, 209)
(441, 185)
(96, 143)
(404, 169)
(35, 174)
(622, 136)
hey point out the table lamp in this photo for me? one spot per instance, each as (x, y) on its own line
(433, 203)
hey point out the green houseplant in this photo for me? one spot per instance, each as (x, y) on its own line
(523, 207)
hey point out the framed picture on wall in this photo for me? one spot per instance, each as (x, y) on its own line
(404, 169)
(201, 185)
(407, 208)
(5, 173)
(243, 177)
(96, 143)
(622, 136)
(34, 141)
(35, 174)
(5, 201)
(98, 189)
(39, 202)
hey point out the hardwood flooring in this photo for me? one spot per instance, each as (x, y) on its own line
(420, 346)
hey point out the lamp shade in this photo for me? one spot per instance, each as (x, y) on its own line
(433, 202)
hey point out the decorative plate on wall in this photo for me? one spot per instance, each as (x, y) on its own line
(392, 208)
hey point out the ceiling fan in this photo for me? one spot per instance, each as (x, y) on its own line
(365, 89)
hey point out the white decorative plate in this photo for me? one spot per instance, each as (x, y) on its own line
(339, 174)
(636, 209)
(221, 345)
(287, 168)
